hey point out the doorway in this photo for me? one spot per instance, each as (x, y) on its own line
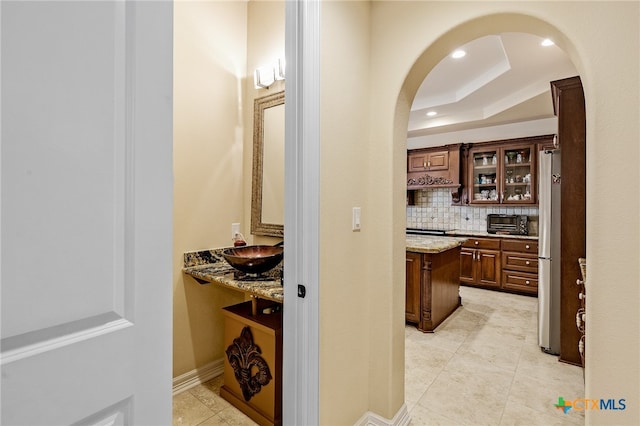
(425, 137)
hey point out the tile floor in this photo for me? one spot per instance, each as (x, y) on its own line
(482, 366)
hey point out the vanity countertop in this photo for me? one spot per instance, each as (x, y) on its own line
(208, 266)
(432, 243)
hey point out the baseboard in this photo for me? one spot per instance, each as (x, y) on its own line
(198, 376)
(372, 419)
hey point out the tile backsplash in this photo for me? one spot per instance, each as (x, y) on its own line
(433, 210)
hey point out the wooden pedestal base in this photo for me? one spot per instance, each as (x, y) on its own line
(254, 354)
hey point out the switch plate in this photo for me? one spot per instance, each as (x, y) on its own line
(355, 224)
(235, 229)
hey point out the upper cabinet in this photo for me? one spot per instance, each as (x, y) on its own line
(427, 161)
(497, 172)
(434, 167)
(504, 172)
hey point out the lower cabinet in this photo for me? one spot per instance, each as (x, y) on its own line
(501, 264)
(520, 266)
(480, 262)
(432, 287)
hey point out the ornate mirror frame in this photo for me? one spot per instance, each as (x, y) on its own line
(258, 227)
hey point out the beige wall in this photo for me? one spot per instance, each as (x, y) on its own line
(362, 305)
(209, 67)
(265, 44)
(345, 353)
(217, 45)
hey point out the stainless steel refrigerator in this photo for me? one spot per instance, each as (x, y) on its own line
(549, 252)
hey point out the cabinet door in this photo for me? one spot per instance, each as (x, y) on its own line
(484, 175)
(417, 162)
(467, 266)
(428, 161)
(488, 267)
(412, 297)
(438, 161)
(519, 174)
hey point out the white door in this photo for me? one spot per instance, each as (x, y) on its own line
(86, 212)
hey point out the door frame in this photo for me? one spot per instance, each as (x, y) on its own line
(302, 193)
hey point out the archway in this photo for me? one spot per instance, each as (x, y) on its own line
(467, 32)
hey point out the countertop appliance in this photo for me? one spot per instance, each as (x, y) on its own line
(549, 252)
(507, 224)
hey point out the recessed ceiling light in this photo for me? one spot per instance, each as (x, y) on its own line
(547, 42)
(457, 54)
(431, 113)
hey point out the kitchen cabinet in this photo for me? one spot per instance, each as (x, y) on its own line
(434, 168)
(432, 287)
(480, 262)
(502, 173)
(424, 161)
(568, 103)
(520, 266)
(507, 264)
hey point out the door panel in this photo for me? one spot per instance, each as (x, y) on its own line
(86, 212)
(488, 267)
(467, 266)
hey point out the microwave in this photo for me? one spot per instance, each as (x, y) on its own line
(508, 224)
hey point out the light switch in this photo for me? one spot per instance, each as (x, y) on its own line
(356, 219)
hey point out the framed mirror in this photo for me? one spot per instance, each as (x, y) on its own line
(267, 188)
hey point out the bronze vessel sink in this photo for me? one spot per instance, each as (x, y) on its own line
(253, 259)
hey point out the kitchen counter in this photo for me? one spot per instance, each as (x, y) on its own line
(459, 232)
(432, 243)
(208, 266)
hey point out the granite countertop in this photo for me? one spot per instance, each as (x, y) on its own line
(432, 243)
(459, 232)
(208, 266)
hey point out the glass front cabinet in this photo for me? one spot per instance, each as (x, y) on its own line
(502, 174)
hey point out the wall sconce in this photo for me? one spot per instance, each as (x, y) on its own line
(264, 77)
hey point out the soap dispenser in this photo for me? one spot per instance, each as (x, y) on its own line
(238, 240)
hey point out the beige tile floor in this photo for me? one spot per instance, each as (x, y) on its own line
(482, 366)
(202, 405)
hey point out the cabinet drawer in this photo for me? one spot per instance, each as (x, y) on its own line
(520, 281)
(483, 243)
(524, 246)
(520, 262)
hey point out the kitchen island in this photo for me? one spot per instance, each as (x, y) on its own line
(432, 279)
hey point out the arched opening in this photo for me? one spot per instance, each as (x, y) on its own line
(472, 30)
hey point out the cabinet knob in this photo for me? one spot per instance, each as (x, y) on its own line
(527, 282)
(428, 163)
(527, 262)
(527, 247)
(477, 242)
(579, 282)
(424, 164)
(582, 296)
